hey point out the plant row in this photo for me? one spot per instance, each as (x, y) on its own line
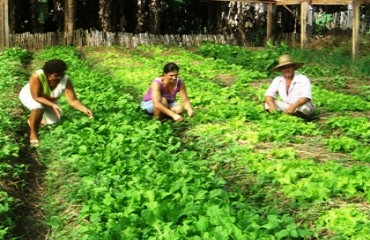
(11, 172)
(130, 175)
(219, 103)
(126, 176)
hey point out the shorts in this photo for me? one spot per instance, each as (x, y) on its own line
(149, 107)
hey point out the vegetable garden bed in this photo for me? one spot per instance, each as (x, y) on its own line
(231, 172)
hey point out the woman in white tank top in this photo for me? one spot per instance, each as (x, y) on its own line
(41, 96)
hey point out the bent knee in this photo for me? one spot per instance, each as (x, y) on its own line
(177, 109)
(164, 102)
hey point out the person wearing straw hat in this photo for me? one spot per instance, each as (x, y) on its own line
(291, 91)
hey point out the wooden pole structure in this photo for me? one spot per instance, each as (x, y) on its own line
(355, 29)
(4, 24)
(269, 22)
(304, 12)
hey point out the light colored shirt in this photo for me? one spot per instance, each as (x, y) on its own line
(25, 93)
(299, 87)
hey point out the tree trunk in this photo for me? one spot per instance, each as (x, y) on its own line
(240, 18)
(122, 22)
(140, 16)
(34, 22)
(58, 15)
(222, 21)
(105, 13)
(4, 24)
(69, 16)
(11, 15)
(155, 10)
(212, 16)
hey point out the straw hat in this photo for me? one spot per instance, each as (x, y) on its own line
(285, 60)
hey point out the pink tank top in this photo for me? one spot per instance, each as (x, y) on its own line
(170, 96)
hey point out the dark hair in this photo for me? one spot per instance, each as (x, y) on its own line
(54, 66)
(170, 67)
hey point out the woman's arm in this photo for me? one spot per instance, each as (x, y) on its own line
(36, 93)
(74, 101)
(185, 100)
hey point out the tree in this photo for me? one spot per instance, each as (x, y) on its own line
(69, 16)
(155, 10)
(140, 16)
(105, 13)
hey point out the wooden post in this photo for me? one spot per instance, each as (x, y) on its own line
(355, 29)
(69, 16)
(269, 22)
(304, 11)
(4, 24)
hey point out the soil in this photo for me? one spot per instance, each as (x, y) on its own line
(28, 188)
(29, 215)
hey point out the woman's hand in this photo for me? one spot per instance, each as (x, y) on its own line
(191, 113)
(88, 113)
(56, 109)
(178, 118)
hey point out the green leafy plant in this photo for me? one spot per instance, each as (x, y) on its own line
(345, 222)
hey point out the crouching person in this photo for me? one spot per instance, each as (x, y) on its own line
(292, 88)
(160, 98)
(41, 94)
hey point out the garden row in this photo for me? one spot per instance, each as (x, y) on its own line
(231, 172)
(12, 171)
(231, 125)
(126, 176)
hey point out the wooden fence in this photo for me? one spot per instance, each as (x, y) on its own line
(95, 38)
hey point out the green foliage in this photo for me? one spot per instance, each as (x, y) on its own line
(363, 67)
(11, 71)
(285, 127)
(141, 179)
(361, 153)
(342, 144)
(339, 102)
(354, 127)
(253, 60)
(17, 54)
(322, 21)
(340, 81)
(356, 139)
(346, 222)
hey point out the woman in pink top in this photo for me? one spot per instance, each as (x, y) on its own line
(160, 99)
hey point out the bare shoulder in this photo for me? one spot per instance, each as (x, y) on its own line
(34, 78)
